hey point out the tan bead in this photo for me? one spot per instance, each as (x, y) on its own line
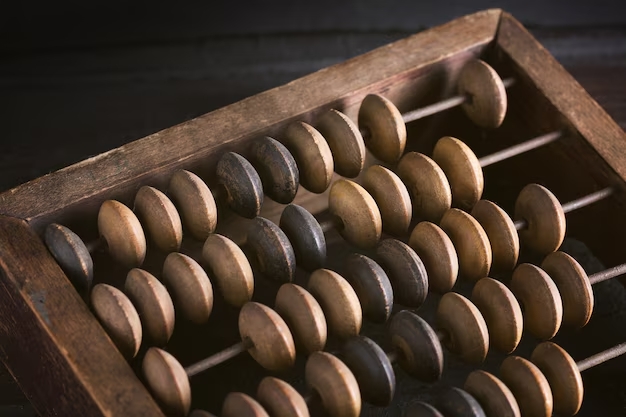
(160, 218)
(574, 288)
(427, 184)
(189, 286)
(280, 399)
(358, 212)
(487, 102)
(334, 383)
(471, 243)
(123, 233)
(545, 219)
(502, 313)
(312, 154)
(540, 299)
(392, 198)
(119, 318)
(339, 302)
(463, 170)
(464, 327)
(273, 346)
(528, 385)
(167, 381)
(238, 404)
(195, 202)
(502, 235)
(345, 142)
(437, 252)
(385, 135)
(229, 267)
(493, 395)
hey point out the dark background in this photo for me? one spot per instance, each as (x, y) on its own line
(80, 78)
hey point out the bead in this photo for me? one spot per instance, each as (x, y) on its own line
(386, 131)
(528, 385)
(242, 184)
(280, 399)
(455, 402)
(73, 257)
(272, 250)
(494, 396)
(421, 409)
(277, 169)
(121, 230)
(487, 101)
(237, 404)
(345, 142)
(167, 381)
(501, 233)
(371, 286)
(312, 154)
(436, 250)
(306, 237)
(195, 202)
(392, 198)
(160, 218)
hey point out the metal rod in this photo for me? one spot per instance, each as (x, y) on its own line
(520, 149)
(607, 274)
(96, 244)
(601, 357)
(218, 358)
(520, 224)
(392, 356)
(587, 200)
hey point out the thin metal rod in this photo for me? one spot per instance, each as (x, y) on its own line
(587, 200)
(218, 358)
(520, 224)
(529, 145)
(96, 244)
(607, 274)
(601, 357)
(441, 335)
(392, 356)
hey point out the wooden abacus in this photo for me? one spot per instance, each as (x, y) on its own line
(417, 207)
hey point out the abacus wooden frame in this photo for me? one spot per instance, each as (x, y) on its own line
(51, 342)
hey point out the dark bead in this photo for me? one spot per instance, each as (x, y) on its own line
(405, 270)
(72, 255)
(454, 402)
(273, 253)
(277, 169)
(306, 236)
(371, 285)
(242, 184)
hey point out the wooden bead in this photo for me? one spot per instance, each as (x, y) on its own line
(371, 285)
(540, 299)
(334, 383)
(463, 170)
(195, 203)
(306, 236)
(502, 235)
(312, 154)
(436, 250)
(189, 287)
(545, 218)
(417, 344)
(153, 304)
(471, 243)
(229, 267)
(280, 399)
(242, 184)
(358, 212)
(465, 329)
(273, 346)
(386, 131)
(563, 376)
(339, 302)
(238, 404)
(272, 250)
(421, 409)
(487, 101)
(160, 218)
(494, 396)
(277, 169)
(392, 198)
(167, 381)
(200, 413)
(455, 402)
(405, 270)
(119, 318)
(123, 233)
(528, 385)
(574, 288)
(501, 312)
(303, 315)
(427, 184)
(345, 142)
(72, 255)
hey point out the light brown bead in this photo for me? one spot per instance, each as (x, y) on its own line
(574, 288)
(437, 252)
(487, 101)
(502, 313)
(168, 381)
(312, 154)
(358, 212)
(237, 404)
(563, 375)
(502, 235)
(545, 218)
(528, 385)
(392, 198)
(339, 302)
(273, 346)
(345, 142)
(427, 184)
(303, 315)
(123, 233)
(494, 396)
(334, 383)
(464, 327)
(385, 135)
(195, 203)
(540, 299)
(160, 218)
(189, 287)
(280, 399)
(119, 318)
(471, 242)
(463, 170)
(229, 267)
